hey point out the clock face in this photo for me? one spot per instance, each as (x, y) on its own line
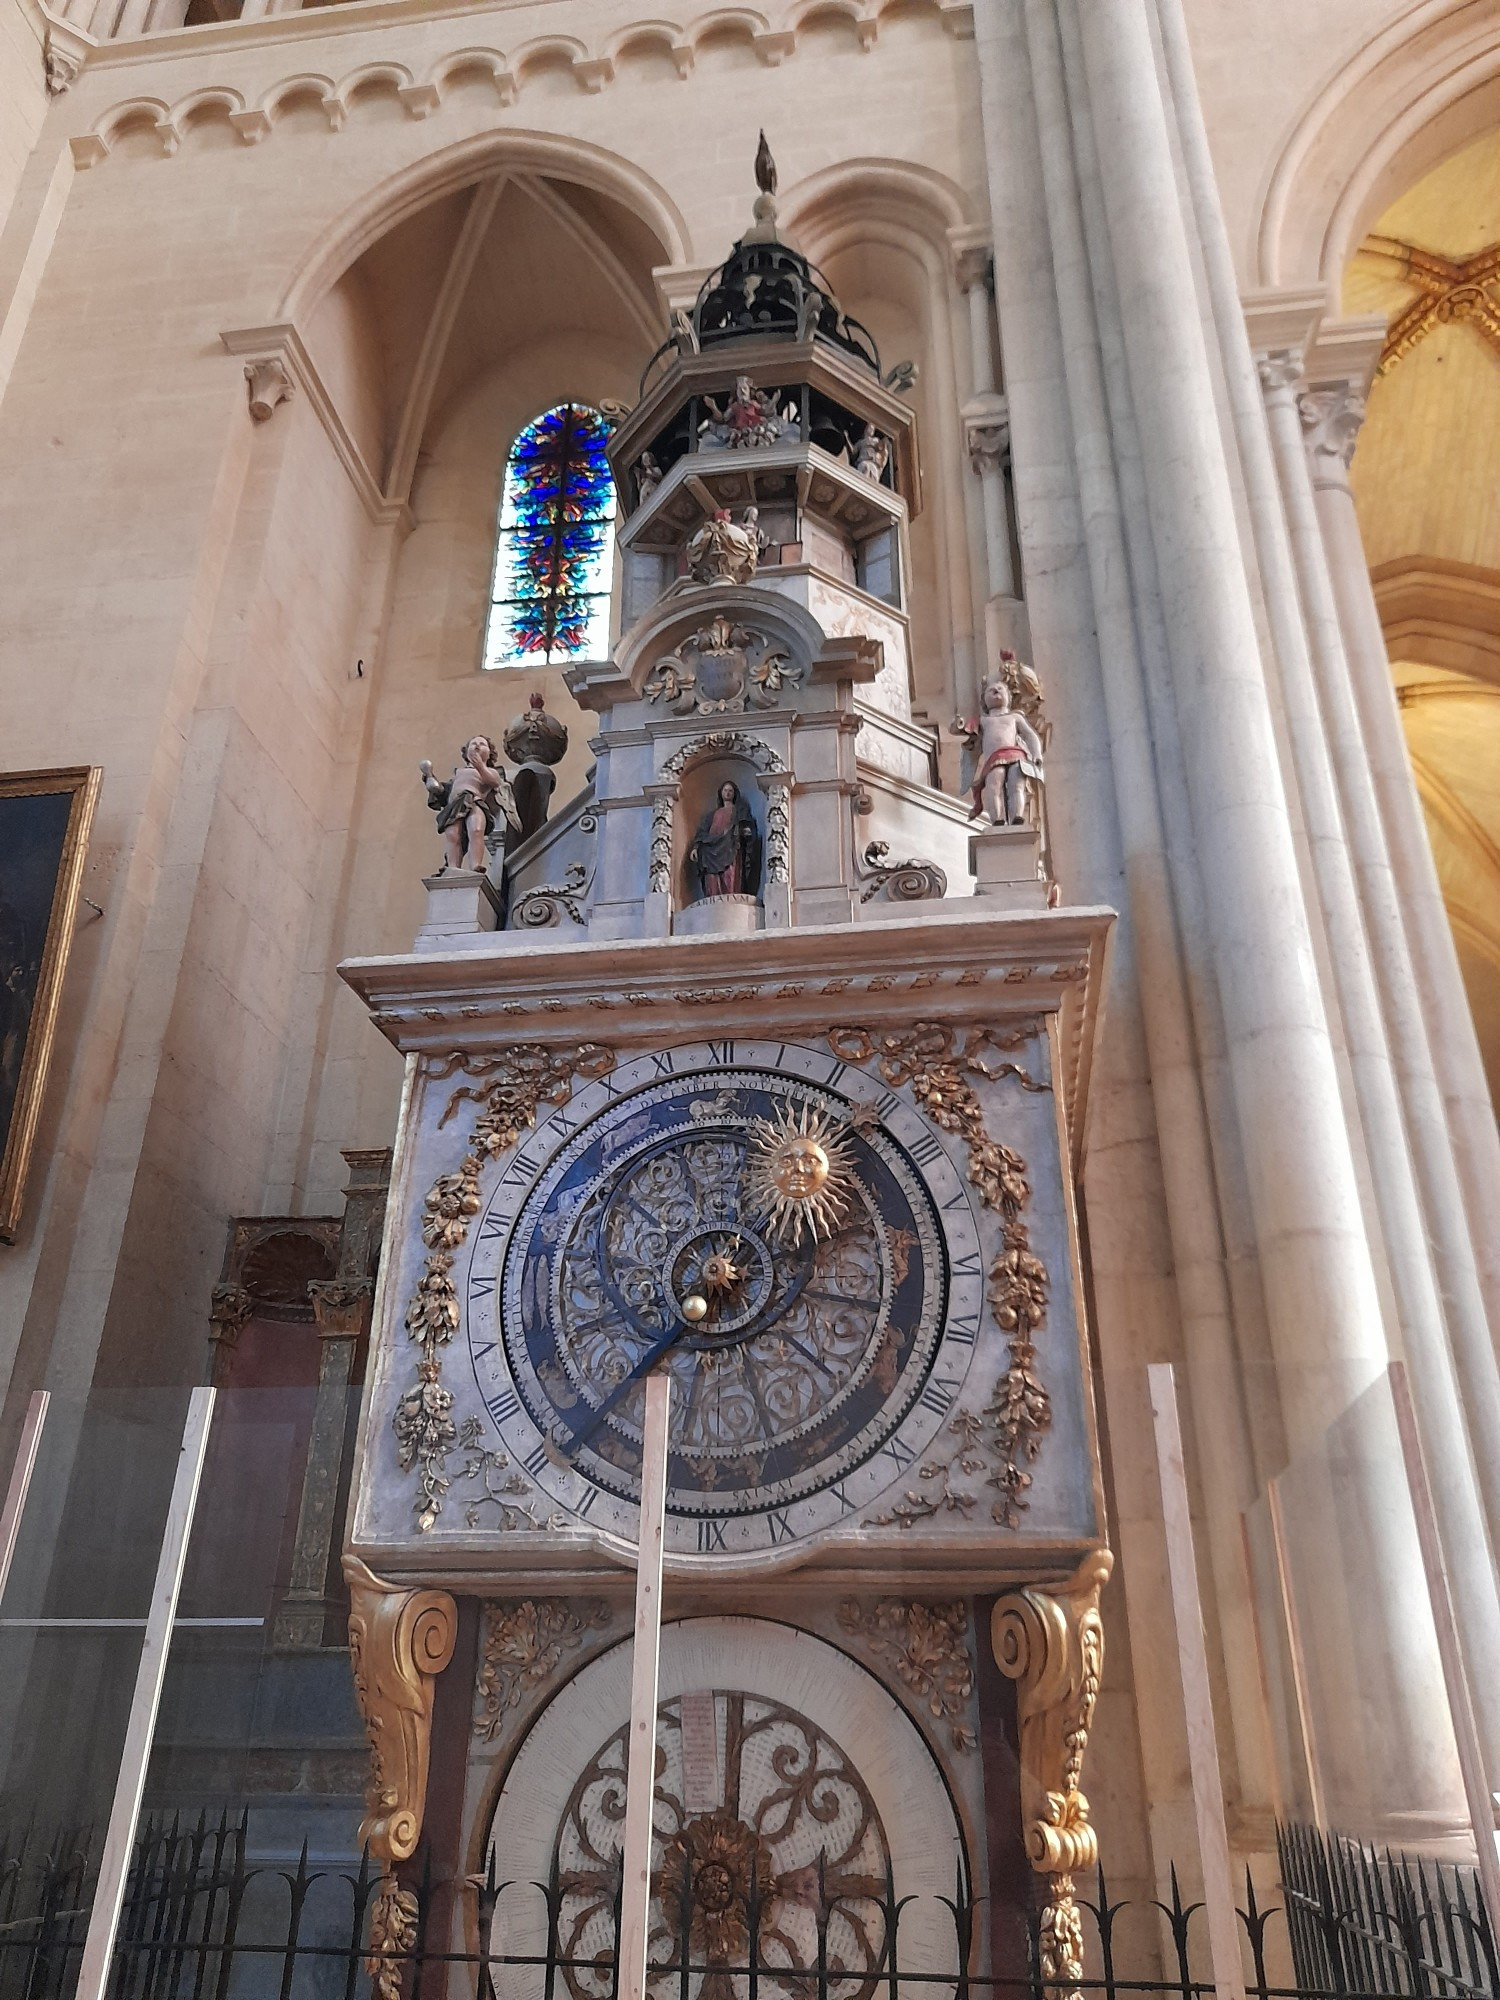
(784, 1237)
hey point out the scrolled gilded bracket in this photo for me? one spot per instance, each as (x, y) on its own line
(400, 1640)
(1051, 1644)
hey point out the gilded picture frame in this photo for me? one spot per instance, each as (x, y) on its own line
(45, 818)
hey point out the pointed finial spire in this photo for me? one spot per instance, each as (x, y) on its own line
(765, 167)
(763, 228)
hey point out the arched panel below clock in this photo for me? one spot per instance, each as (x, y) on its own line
(773, 1749)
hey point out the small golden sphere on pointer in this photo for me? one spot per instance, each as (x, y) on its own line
(694, 1308)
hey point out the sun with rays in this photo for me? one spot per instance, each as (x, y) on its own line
(800, 1178)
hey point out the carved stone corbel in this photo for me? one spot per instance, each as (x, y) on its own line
(1051, 1644)
(986, 421)
(270, 383)
(400, 1640)
(1331, 416)
(229, 1307)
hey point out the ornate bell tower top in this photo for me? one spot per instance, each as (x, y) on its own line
(769, 395)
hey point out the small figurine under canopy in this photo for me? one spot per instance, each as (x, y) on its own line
(473, 805)
(1006, 749)
(747, 419)
(725, 851)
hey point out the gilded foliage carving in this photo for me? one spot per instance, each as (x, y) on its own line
(1051, 1644)
(524, 1645)
(393, 1937)
(399, 1642)
(510, 1088)
(1005, 1437)
(927, 1647)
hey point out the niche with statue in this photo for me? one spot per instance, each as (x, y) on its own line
(721, 844)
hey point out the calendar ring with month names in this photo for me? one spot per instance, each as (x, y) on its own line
(778, 1232)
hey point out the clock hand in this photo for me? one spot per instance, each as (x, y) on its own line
(695, 1308)
(621, 1390)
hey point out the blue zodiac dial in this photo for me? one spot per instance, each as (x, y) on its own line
(723, 1213)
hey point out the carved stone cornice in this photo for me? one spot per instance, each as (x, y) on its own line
(1050, 1642)
(1331, 416)
(228, 1308)
(399, 1642)
(278, 365)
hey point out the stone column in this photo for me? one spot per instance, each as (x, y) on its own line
(986, 422)
(1331, 417)
(342, 1312)
(341, 1308)
(1322, 1297)
(1396, 1166)
(1187, 1159)
(1320, 1281)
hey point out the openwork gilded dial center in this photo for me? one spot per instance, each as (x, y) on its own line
(759, 1235)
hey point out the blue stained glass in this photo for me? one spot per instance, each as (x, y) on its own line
(550, 597)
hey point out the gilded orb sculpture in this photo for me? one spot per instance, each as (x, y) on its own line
(800, 1177)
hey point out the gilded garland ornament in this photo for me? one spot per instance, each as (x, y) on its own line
(393, 1937)
(938, 1070)
(513, 1084)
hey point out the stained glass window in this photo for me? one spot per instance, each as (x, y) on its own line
(549, 601)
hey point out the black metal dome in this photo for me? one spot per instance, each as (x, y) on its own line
(766, 289)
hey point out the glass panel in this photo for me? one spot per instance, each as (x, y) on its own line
(74, 1611)
(1363, 1723)
(550, 598)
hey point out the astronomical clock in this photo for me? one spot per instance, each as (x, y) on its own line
(703, 1079)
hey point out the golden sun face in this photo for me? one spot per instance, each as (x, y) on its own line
(799, 1178)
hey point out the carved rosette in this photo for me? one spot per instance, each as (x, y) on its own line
(1010, 1428)
(512, 1085)
(399, 1642)
(1051, 1644)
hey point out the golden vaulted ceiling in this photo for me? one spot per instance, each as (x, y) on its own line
(1427, 482)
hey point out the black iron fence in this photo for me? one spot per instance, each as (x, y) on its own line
(204, 1920)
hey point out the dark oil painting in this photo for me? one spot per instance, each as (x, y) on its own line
(43, 825)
